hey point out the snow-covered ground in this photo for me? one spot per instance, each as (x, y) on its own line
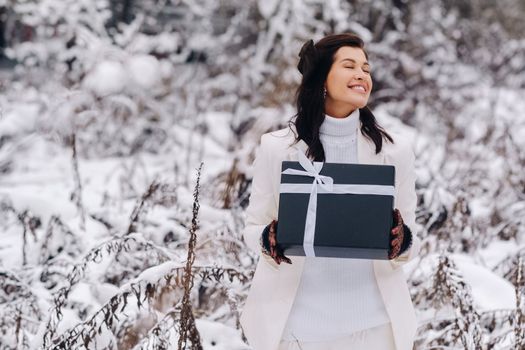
(93, 246)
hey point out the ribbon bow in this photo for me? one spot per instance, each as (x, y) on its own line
(326, 182)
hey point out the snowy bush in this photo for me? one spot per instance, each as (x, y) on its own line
(105, 243)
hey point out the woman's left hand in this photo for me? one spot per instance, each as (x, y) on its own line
(397, 235)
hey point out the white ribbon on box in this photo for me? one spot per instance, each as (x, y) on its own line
(322, 184)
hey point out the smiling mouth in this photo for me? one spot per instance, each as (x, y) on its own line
(358, 88)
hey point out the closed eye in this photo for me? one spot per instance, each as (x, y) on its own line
(364, 70)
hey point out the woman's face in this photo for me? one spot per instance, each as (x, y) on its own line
(348, 83)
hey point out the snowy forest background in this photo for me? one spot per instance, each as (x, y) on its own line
(127, 133)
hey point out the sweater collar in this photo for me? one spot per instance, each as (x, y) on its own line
(340, 126)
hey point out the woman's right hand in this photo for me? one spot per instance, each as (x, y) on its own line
(276, 252)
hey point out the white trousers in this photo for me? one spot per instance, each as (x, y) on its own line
(376, 338)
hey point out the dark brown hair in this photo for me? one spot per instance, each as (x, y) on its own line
(314, 64)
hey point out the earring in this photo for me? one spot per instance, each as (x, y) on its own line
(324, 93)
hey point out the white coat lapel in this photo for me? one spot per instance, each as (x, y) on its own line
(292, 150)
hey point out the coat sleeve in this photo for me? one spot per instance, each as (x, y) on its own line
(262, 207)
(406, 201)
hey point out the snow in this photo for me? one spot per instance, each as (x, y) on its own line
(40, 202)
(144, 71)
(22, 118)
(165, 69)
(267, 8)
(154, 274)
(480, 207)
(108, 77)
(217, 336)
(167, 42)
(490, 291)
(143, 108)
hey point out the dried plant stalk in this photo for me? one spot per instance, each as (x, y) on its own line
(187, 321)
(519, 324)
(76, 196)
(139, 208)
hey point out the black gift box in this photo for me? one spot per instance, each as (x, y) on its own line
(346, 225)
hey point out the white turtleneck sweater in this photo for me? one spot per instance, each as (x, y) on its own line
(336, 297)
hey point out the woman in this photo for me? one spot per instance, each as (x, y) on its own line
(327, 303)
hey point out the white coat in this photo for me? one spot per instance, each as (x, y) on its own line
(274, 286)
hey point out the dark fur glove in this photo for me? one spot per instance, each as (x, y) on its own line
(400, 236)
(270, 246)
